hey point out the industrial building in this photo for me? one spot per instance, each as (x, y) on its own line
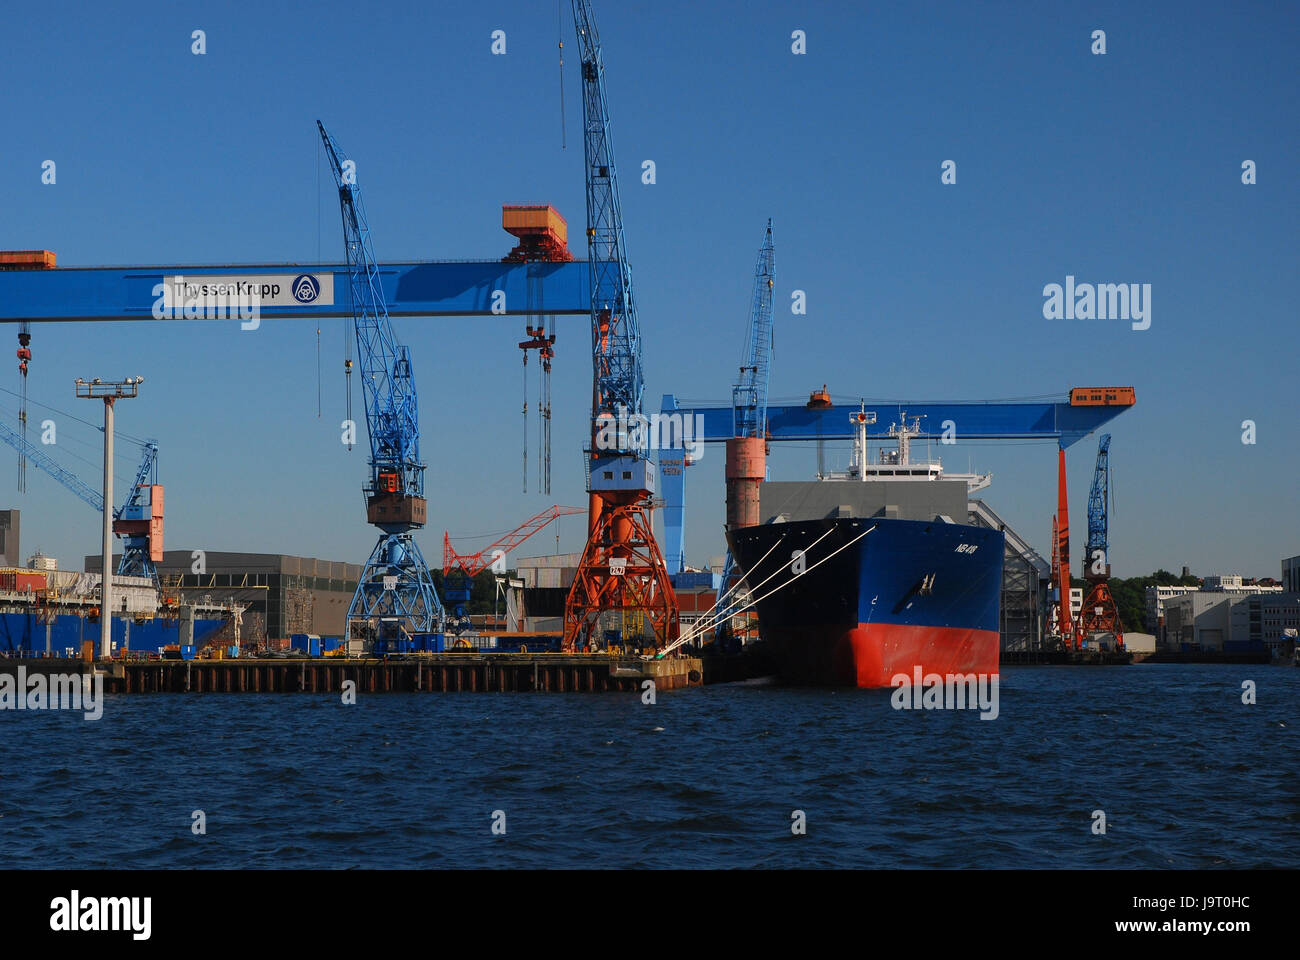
(284, 594)
(1159, 597)
(1223, 620)
(1156, 598)
(546, 582)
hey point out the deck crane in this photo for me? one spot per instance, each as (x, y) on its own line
(747, 450)
(1100, 613)
(460, 569)
(395, 593)
(622, 574)
(137, 523)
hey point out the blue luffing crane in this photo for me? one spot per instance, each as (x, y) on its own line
(1098, 546)
(1099, 614)
(395, 594)
(131, 520)
(749, 395)
(749, 421)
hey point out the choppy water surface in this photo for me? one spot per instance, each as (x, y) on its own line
(1187, 775)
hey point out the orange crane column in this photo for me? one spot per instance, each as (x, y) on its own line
(746, 468)
(1063, 551)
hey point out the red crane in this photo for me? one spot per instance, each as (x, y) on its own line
(472, 564)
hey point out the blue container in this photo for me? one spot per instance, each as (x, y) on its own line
(305, 643)
(232, 651)
(689, 581)
(188, 651)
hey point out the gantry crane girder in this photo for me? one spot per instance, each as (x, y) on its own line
(486, 288)
(1067, 422)
(395, 593)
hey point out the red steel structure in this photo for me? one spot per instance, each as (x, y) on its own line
(1100, 613)
(473, 564)
(622, 569)
(1065, 620)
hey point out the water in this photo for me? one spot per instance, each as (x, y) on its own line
(1187, 775)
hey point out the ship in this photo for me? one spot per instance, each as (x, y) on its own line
(864, 576)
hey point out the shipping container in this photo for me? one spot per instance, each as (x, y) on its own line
(305, 643)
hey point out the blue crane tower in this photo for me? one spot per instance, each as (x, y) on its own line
(395, 594)
(1097, 517)
(747, 449)
(749, 395)
(137, 523)
(622, 572)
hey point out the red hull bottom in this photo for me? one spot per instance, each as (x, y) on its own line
(872, 654)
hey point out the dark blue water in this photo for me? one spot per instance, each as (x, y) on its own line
(1187, 775)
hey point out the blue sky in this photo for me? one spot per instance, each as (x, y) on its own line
(1117, 168)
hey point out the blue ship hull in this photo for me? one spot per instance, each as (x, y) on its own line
(862, 608)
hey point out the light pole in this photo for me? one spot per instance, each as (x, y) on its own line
(109, 392)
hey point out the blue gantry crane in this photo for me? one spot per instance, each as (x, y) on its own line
(137, 523)
(622, 572)
(395, 595)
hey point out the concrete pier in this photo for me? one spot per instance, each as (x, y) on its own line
(437, 673)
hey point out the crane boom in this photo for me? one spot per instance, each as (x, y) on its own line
(747, 449)
(36, 455)
(615, 335)
(133, 521)
(749, 395)
(472, 564)
(395, 593)
(1097, 519)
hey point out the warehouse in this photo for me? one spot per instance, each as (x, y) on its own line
(284, 594)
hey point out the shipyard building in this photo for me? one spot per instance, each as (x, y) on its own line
(282, 594)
